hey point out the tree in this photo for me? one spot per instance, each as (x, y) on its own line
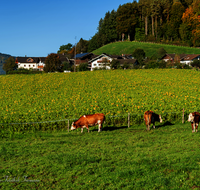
(127, 18)
(67, 66)
(161, 52)
(139, 54)
(65, 48)
(53, 63)
(115, 64)
(82, 46)
(83, 67)
(9, 65)
(175, 20)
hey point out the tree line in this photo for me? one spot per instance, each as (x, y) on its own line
(167, 21)
(164, 21)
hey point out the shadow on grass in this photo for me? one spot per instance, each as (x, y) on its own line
(113, 128)
(167, 123)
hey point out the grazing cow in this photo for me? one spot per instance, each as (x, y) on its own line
(194, 118)
(151, 117)
(89, 120)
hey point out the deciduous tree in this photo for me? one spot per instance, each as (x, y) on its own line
(65, 48)
(9, 65)
(53, 63)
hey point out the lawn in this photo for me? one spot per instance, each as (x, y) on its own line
(119, 48)
(167, 157)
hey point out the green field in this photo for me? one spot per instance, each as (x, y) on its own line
(119, 48)
(38, 152)
(58, 97)
(167, 157)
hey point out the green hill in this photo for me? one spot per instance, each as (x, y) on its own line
(150, 49)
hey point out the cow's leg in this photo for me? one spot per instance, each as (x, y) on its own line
(197, 127)
(100, 127)
(81, 129)
(87, 128)
(193, 127)
(148, 127)
(154, 125)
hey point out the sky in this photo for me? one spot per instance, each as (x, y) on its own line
(36, 28)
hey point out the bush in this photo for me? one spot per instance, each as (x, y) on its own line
(195, 63)
(115, 64)
(152, 65)
(83, 67)
(162, 64)
(24, 71)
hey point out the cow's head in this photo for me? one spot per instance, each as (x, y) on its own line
(191, 117)
(73, 127)
(160, 118)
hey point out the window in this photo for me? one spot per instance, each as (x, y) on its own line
(24, 65)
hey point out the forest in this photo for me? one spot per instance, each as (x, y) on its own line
(162, 21)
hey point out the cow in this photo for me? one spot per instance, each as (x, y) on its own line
(151, 117)
(89, 120)
(194, 118)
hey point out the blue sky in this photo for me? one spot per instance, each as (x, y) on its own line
(36, 28)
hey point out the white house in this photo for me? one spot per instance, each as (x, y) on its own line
(183, 58)
(190, 58)
(36, 63)
(101, 61)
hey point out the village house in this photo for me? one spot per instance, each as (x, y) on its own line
(100, 61)
(83, 58)
(182, 58)
(35, 63)
(190, 58)
(104, 60)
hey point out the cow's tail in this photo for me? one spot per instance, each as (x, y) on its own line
(104, 121)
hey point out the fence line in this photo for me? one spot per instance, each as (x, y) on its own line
(111, 116)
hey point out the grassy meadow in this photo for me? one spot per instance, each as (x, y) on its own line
(167, 157)
(37, 151)
(150, 49)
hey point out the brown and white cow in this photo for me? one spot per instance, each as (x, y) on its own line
(89, 120)
(194, 118)
(151, 117)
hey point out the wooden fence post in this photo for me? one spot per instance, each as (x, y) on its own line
(68, 125)
(183, 116)
(128, 120)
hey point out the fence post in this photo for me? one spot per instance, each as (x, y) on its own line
(128, 120)
(68, 125)
(183, 116)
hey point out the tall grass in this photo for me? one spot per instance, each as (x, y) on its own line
(37, 100)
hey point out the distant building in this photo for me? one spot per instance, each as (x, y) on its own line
(35, 63)
(182, 58)
(104, 60)
(83, 58)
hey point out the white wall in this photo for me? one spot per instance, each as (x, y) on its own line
(98, 64)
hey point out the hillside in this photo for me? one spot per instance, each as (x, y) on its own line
(150, 49)
(3, 57)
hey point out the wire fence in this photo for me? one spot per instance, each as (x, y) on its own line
(125, 120)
